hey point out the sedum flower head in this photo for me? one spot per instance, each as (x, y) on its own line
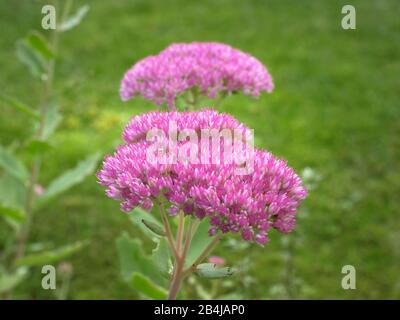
(212, 68)
(138, 126)
(250, 204)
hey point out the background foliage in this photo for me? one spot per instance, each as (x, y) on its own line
(335, 109)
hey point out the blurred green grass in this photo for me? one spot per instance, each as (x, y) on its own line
(335, 109)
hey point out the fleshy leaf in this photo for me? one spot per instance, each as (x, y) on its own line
(75, 19)
(147, 287)
(210, 271)
(154, 227)
(71, 177)
(162, 257)
(52, 119)
(10, 281)
(12, 191)
(133, 259)
(12, 165)
(18, 105)
(51, 256)
(36, 146)
(27, 55)
(138, 215)
(16, 215)
(39, 43)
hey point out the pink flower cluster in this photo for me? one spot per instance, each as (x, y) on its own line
(213, 68)
(139, 125)
(249, 204)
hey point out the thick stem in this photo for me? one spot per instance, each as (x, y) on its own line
(176, 280)
(180, 253)
(289, 271)
(179, 272)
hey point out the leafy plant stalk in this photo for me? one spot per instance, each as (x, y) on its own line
(35, 171)
(20, 200)
(180, 250)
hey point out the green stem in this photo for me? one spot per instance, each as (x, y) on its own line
(168, 231)
(179, 264)
(179, 273)
(176, 280)
(179, 234)
(188, 238)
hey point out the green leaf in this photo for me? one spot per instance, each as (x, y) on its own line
(51, 256)
(232, 296)
(27, 55)
(36, 146)
(52, 119)
(17, 215)
(10, 281)
(162, 257)
(202, 293)
(148, 288)
(200, 241)
(39, 43)
(75, 19)
(12, 165)
(133, 259)
(12, 192)
(154, 227)
(14, 103)
(71, 177)
(210, 271)
(138, 215)
(38, 246)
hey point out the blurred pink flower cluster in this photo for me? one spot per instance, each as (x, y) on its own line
(212, 68)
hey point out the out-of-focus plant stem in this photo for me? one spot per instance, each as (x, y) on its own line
(35, 171)
(47, 96)
(289, 270)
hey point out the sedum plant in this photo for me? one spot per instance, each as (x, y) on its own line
(190, 178)
(21, 194)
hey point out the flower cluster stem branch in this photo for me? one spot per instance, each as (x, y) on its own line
(188, 238)
(179, 263)
(179, 271)
(179, 234)
(168, 231)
